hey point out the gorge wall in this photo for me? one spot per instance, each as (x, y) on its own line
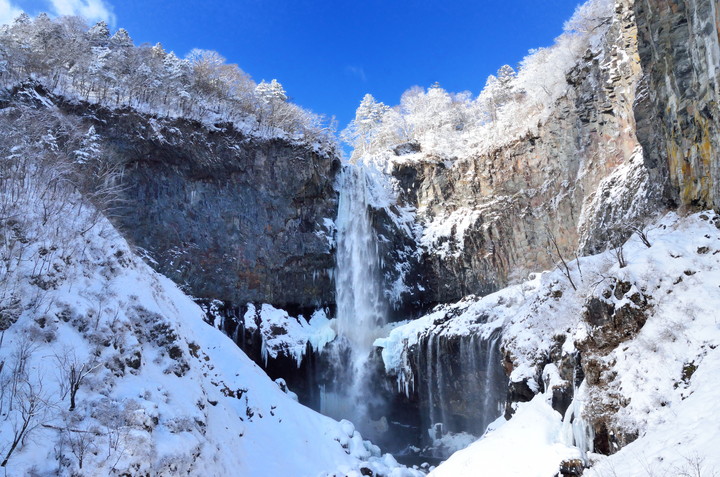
(227, 216)
(502, 206)
(635, 134)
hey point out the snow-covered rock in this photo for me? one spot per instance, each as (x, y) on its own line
(108, 368)
(620, 361)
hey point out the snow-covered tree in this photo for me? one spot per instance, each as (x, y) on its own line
(99, 34)
(272, 92)
(121, 39)
(158, 51)
(589, 17)
(362, 130)
(71, 59)
(89, 147)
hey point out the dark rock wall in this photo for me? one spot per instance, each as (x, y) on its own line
(678, 114)
(228, 217)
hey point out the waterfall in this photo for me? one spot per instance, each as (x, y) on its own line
(463, 388)
(460, 383)
(361, 304)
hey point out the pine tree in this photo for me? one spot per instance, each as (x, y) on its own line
(99, 34)
(121, 39)
(368, 117)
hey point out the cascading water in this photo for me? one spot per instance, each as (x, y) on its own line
(457, 381)
(362, 309)
(463, 388)
(361, 305)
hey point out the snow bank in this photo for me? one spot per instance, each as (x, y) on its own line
(290, 336)
(528, 445)
(657, 383)
(162, 393)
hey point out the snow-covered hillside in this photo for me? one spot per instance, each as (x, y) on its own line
(171, 233)
(649, 361)
(107, 368)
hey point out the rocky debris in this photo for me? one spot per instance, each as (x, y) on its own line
(572, 467)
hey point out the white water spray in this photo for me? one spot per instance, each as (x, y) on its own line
(362, 310)
(361, 305)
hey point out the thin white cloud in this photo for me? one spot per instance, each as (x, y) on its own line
(92, 10)
(356, 71)
(8, 12)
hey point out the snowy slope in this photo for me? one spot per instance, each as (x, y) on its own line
(159, 392)
(656, 383)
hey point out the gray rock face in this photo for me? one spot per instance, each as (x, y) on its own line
(678, 113)
(226, 216)
(229, 217)
(575, 180)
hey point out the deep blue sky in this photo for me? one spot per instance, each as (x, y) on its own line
(328, 54)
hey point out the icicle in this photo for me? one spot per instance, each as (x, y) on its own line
(576, 431)
(263, 350)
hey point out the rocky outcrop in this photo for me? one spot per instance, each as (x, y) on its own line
(678, 111)
(573, 181)
(227, 216)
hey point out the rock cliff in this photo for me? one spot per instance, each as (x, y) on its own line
(226, 216)
(230, 217)
(635, 135)
(678, 111)
(577, 181)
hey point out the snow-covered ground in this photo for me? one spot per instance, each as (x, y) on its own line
(658, 383)
(157, 390)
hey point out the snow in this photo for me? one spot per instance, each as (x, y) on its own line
(684, 443)
(439, 233)
(283, 334)
(166, 394)
(528, 445)
(661, 381)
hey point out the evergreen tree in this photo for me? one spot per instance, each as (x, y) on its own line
(121, 39)
(272, 92)
(368, 117)
(99, 34)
